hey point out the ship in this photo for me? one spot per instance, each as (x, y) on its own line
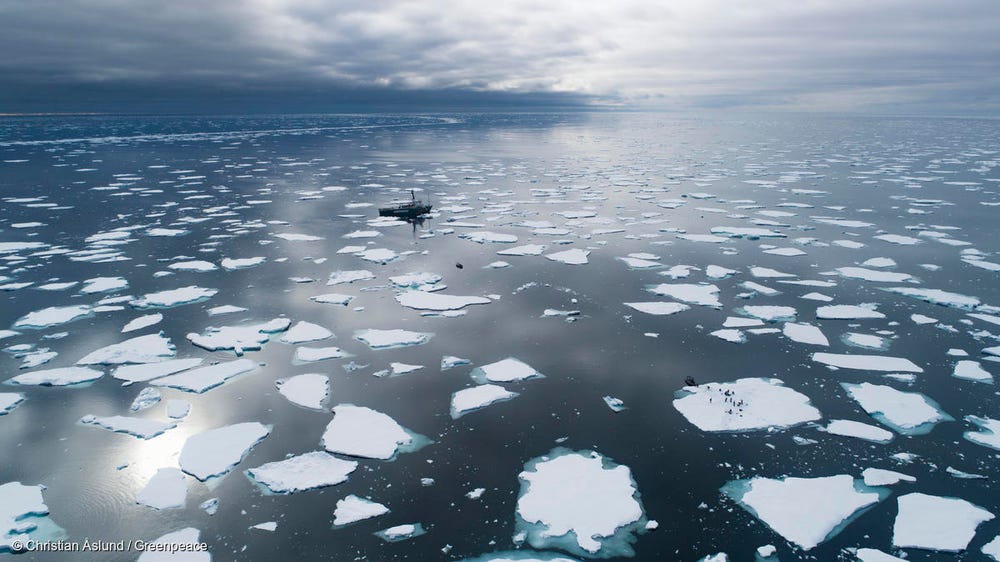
(407, 209)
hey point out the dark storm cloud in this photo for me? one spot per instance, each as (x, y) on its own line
(318, 55)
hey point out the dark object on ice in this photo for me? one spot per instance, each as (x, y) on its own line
(407, 209)
(690, 381)
(458, 265)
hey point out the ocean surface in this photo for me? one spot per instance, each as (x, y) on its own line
(794, 212)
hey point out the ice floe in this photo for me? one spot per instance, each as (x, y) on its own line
(553, 513)
(882, 363)
(312, 354)
(477, 397)
(848, 312)
(18, 504)
(150, 348)
(769, 313)
(873, 275)
(989, 434)
(705, 295)
(909, 413)
(936, 523)
(510, 369)
(401, 532)
(937, 296)
(744, 405)
(805, 511)
(303, 332)
(167, 489)
(206, 378)
(658, 308)
(216, 451)
(804, 333)
(353, 509)
(849, 428)
(384, 339)
(882, 477)
(972, 370)
(137, 427)
(573, 256)
(178, 546)
(308, 471)
(174, 297)
(421, 300)
(65, 376)
(53, 316)
(341, 277)
(144, 372)
(9, 401)
(240, 338)
(309, 390)
(362, 432)
(142, 322)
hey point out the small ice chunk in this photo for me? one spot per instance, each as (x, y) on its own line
(658, 308)
(882, 363)
(362, 432)
(882, 477)
(309, 390)
(527, 250)
(401, 532)
(972, 370)
(384, 339)
(898, 239)
(174, 297)
(378, 255)
(450, 361)
(303, 332)
(198, 266)
(768, 273)
(341, 277)
(573, 256)
(615, 404)
(730, 335)
(103, 285)
(311, 354)
(178, 409)
(421, 300)
(718, 272)
(921, 319)
(804, 333)
(909, 413)
(936, 523)
(151, 348)
(477, 397)
(333, 298)
(848, 428)
(510, 369)
(225, 309)
(142, 322)
(309, 471)
(269, 526)
(848, 312)
(65, 376)
(353, 509)
(215, 451)
(209, 506)
(552, 511)
(805, 511)
(165, 490)
(484, 236)
(403, 368)
(231, 264)
(705, 295)
(744, 405)
(9, 401)
(296, 237)
(137, 427)
(147, 398)
(206, 378)
(769, 313)
(475, 494)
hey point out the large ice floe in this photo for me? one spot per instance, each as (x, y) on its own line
(936, 523)
(867, 362)
(580, 502)
(384, 339)
(909, 413)
(303, 332)
(805, 511)
(573, 256)
(804, 333)
(744, 405)
(848, 312)
(937, 296)
(150, 348)
(174, 297)
(510, 369)
(53, 316)
(205, 378)
(167, 489)
(422, 300)
(308, 471)
(246, 337)
(478, 397)
(216, 451)
(362, 432)
(65, 376)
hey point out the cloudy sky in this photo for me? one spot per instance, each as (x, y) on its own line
(880, 56)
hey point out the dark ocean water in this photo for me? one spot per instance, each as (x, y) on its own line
(235, 182)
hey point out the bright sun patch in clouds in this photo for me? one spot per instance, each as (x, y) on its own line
(827, 55)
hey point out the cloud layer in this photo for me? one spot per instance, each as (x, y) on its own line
(843, 55)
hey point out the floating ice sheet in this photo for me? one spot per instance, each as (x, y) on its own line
(867, 362)
(216, 451)
(401, 532)
(574, 256)
(150, 348)
(909, 413)
(936, 523)
(167, 489)
(240, 338)
(989, 434)
(137, 427)
(353, 509)
(705, 295)
(658, 308)
(303, 332)
(510, 369)
(553, 513)
(421, 300)
(362, 432)
(64, 376)
(309, 390)
(174, 297)
(744, 405)
(184, 543)
(477, 397)
(9, 401)
(206, 378)
(805, 511)
(53, 316)
(937, 296)
(383, 339)
(309, 471)
(144, 372)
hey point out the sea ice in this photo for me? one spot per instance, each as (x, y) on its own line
(353, 509)
(450, 362)
(198, 266)
(989, 434)
(873, 275)
(769, 313)
(937, 296)
(421, 300)
(151, 348)
(484, 236)
(848, 312)
(64, 376)
(527, 250)
(882, 477)
(137, 427)
(848, 428)
(309, 471)
(506, 370)
(309, 390)
(312, 354)
(206, 378)
(804, 333)
(142, 322)
(936, 523)
(147, 398)
(144, 372)
(401, 532)
(333, 298)
(477, 397)
(186, 539)
(241, 338)
(174, 297)
(972, 370)
(18, 503)
(383, 339)
(730, 335)
(574, 256)
(362, 432)
(552, 511)
(303, 332)
(178, 409)
(882, 363)
(805, 511)
(103, 285)
(340, 277)
(744, 405)
(9, 401)
(658, 308)
(909, 413)
(705, 295)
(167, 489)
(230, 264)
(53, 316)
(215, 451)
